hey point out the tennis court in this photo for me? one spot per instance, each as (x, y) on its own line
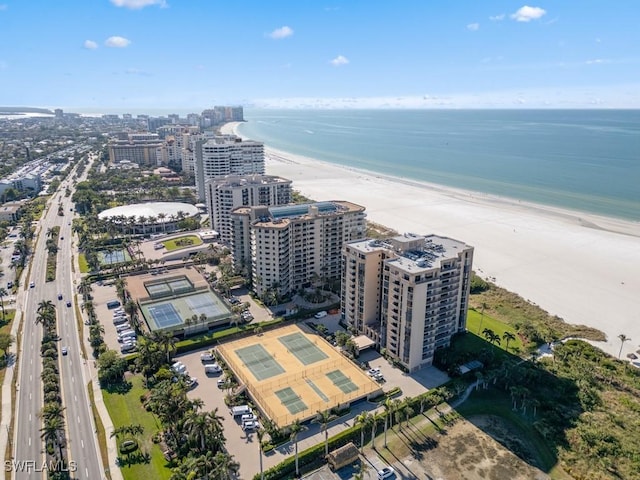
(291, 373)
(168, 287)
(261, 364)
(341, 381)
(177, 312)
(291, 400)
(303, 349)
(113, 257)
(165, 315)
(204, 303)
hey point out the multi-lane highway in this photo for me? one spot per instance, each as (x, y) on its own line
(82, 447)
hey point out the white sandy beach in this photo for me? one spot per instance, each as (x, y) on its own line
(581, 267)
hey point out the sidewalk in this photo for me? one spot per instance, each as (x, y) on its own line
(6, 414)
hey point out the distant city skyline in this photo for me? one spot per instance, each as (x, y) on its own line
(170, 55)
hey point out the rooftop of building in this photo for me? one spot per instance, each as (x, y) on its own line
(414, 252)
(241, 180)
(280, 216)
(151, 209)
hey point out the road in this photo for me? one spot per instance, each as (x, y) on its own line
(83, 452)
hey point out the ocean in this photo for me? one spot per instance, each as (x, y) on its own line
(583, 160)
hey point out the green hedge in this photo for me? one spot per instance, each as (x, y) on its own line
(312, 457)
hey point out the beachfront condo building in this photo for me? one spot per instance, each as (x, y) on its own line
(139, 148)
(223, 195)
(225, 155)
(409, 294)
(288, 248)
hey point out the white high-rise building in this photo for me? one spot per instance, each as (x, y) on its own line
(409, 293)
(226, 155)
(290, 247)
(223, 195)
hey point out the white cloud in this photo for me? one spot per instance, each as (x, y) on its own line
(473, 27)
(339, 61)
(136, 71)
(598, 40)
(596, 61)
(497, 18)
(282, 32)
(117, 42)
(138, 4)
(526, 14)
(90, 45)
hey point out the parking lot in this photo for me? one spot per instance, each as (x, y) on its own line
(102, 294)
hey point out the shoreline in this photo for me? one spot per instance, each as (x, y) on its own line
(576, 265)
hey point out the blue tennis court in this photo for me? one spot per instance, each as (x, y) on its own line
(113, 257)
(165, 315)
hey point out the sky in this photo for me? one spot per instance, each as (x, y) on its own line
(187, 55)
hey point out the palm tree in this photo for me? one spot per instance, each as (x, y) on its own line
(508, 337)
(388, 408)
(167, 343)
(51, 433)
(484, 305)
(294, 431)
(225, 466)
(3, 293)
(623, 338)
(363, 420)
(51, 410)
(162, 217)
(260, 434)
(323, 418)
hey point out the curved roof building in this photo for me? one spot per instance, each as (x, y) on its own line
(149, 217)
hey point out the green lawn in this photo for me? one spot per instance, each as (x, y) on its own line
(126, 409)
(82, 261)
(476, 323)
(182, 242)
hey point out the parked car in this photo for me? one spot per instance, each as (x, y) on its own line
(192, 382)
(250, 425)
(385, 472)
(248, 416)
(212, 369)
(221, 382)
(379, 378)
(320, 314)
(207, 357)
(373, 372)
(123, 327)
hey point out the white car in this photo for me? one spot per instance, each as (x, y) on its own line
(373, 372)
(321, 314)
(207, 357)
(247, 417)
(386, 472)
(32, 284)
(250, 425)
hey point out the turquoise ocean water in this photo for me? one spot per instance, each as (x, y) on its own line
(585, 160)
